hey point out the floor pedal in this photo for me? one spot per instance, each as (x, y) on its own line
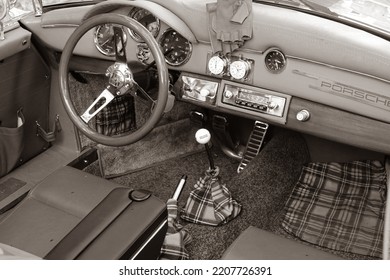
(254, 144)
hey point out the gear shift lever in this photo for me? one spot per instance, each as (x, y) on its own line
(203, 136)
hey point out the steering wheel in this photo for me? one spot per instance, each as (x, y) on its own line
(120, 79)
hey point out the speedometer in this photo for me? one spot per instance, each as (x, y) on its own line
(177, 49)
(148, 20)
(104, 39)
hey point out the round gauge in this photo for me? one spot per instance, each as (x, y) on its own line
(104, 39)
(3, 9)
(217, 64)
(147, 19)
(177, 49)
(239, 69)
(275, 61)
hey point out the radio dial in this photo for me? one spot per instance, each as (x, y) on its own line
(228, 94)
(272, 105)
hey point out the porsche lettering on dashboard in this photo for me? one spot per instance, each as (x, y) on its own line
(356, 94)
(347, 91)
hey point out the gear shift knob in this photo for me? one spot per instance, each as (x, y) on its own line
(203, 136)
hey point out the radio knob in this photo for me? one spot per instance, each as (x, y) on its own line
(272, 105)
(303, 115)
(228, 94)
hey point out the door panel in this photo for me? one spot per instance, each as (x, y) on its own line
(25, 84)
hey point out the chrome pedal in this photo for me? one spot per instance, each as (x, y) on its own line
(254, 144)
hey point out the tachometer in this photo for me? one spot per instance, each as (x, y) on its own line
(176, 48)
(148, 20)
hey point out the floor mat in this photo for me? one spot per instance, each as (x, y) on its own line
(339, 206)
(168, 141)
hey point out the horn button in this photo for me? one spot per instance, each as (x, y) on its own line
(120, 77)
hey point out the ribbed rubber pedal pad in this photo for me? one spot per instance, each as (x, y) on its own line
(254, 144)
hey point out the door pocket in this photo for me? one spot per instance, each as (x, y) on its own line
(11, 144)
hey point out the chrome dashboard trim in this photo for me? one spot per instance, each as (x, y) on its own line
(58, 25)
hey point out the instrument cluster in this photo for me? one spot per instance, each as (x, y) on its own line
(176, 49)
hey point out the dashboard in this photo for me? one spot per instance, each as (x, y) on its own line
(295, 70)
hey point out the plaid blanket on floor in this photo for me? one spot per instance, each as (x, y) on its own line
(117, 117)
(339, 206)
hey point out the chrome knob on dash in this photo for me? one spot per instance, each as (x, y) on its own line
(228, 94)
(303, 115)
(273, 105)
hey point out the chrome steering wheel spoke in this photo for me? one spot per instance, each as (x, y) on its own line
(144, 93)
(106, 96)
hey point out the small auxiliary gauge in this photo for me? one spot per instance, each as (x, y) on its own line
(217, 64)
(239, 69)
(275, 61)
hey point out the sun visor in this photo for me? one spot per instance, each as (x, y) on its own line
(230, 24)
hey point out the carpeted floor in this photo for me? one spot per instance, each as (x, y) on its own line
(262, 188)
(158, 146)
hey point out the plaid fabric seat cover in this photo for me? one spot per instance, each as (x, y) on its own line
(210, 203)
(117, 117)
(339, 206)
(177, 237)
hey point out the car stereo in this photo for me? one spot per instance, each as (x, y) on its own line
(255, 100)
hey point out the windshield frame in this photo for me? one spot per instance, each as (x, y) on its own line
(327, 15)
(75, 3)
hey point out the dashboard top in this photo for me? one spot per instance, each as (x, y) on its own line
(286, 51)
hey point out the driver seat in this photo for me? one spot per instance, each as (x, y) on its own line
(75, 215)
